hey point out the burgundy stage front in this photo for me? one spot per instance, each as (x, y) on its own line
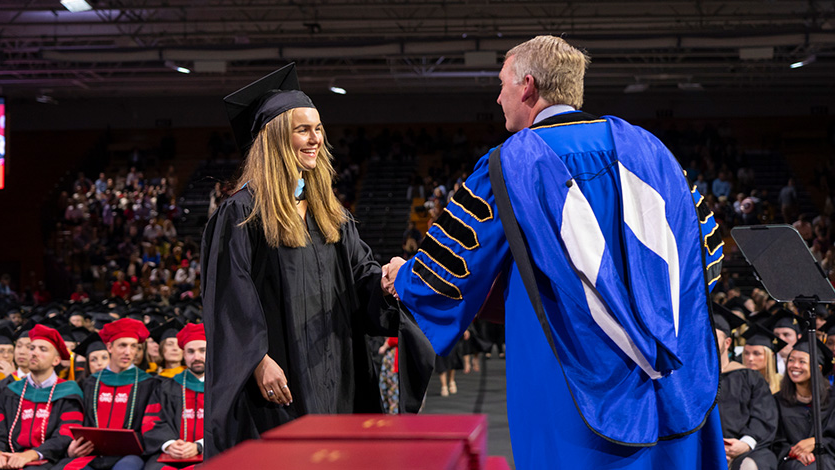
(414, 442)
(343, 455)
(470, 430)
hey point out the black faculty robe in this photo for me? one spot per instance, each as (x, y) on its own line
(309, 309)
(65, 410)
(747, 408)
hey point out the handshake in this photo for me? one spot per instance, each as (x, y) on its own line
(390, 274)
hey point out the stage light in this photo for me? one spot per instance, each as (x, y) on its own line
(338, 90)
(74, 6)
(687, 86)
(808, 60)
(173, 66)
(636, 88)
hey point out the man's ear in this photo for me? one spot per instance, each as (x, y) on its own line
(530, 91)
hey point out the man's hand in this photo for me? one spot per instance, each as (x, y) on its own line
(390, 274)
(19, 459)
(181, 449)
(272, 382)
(7, 368)
(80, 448)
(734, 448)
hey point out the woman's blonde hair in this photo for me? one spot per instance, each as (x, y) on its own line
(270, 174)
(770, 372)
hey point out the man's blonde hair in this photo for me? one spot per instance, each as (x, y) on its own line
(557, 68)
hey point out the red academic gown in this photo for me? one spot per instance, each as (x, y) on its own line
(115, 401)
(26, 418)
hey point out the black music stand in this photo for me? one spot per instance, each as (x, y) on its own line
(790, 273)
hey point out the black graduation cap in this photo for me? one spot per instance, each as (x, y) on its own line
(167, 330)
(253, 106)
(193, 314)
(90, 344)
(101, 319)
(73, 334)
(23, 331)
(725, 320)
(829, 326)
(786, 319)
(756, 335)
(6, 335)
(825, 357)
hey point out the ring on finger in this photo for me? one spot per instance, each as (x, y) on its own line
(284, 386)
(270, 393)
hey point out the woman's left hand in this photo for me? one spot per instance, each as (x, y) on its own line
(806, 446)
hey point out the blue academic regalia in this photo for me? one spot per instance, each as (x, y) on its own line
(609, 218)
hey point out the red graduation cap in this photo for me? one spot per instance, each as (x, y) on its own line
(50, 335)
(124, 328)
(191, 332)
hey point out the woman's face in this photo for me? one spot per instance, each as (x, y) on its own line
(98, 360)
(171, 352)
(140, 354)
(306, 137)
(797, 366)
(754, 357)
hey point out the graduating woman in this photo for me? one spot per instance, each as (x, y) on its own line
(795, 433)
(758, 354)
(289, 289)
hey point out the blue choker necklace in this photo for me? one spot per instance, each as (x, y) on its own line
(300, 190)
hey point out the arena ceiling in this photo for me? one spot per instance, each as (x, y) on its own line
(132, 47)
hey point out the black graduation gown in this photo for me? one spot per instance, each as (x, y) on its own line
(795, 424)
(747, 408)
(115, 396)
(65, 410)
(308, 308)
(163, 416)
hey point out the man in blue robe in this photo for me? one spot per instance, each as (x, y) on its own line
(625, 253)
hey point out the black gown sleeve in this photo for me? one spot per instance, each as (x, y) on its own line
(386, 317)
(762, 423)
(5, 420)
(160, 423)
(235, 326)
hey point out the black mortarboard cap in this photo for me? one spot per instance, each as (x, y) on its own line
(6, 335)
(101, 319)
(725, 320)
(253, 106)
(90, 344)
(824, 353)
(786, 319)
(829, 326)
(167, 330)
(23, 331)
(756, 335)
(74, 334)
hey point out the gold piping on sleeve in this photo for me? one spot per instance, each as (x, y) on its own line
(417, 260)
(466, 269)
(475, 235)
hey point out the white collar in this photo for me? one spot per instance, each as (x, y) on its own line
(552, 110)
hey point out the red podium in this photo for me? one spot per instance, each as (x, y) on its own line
(383, 430)
(343, 454)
